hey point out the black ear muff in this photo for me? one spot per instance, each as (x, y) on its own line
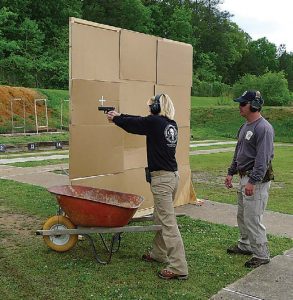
(256, 104)
(156, 107)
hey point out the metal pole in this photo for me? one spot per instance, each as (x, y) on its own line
(36, 117)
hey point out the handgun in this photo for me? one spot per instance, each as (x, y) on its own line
(106, 109)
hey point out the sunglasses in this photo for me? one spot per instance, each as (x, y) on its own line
(243, 103)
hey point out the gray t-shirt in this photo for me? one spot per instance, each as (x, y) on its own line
(254, 149)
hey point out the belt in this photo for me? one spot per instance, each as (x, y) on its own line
(163, 172)
(244, 173)
(248, 173)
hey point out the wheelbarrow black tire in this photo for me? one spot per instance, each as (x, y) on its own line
(60, 243)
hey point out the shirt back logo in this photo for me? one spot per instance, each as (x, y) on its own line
(171, 135)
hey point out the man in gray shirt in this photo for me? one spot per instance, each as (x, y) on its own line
(252, 161)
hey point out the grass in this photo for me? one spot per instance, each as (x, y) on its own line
(35, 138)
(39, 163)
(210, 101)
(209, 172)
(30, 270)
(223, 122)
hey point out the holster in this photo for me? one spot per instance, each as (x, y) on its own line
(148, 176)
(269, 173)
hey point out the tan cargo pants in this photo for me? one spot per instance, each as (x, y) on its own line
(167, 245)
(249, 218)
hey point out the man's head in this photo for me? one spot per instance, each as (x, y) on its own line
(251, 98)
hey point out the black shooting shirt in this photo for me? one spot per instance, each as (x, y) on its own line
(161, 138)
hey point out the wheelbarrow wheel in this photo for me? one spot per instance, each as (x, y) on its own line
(59, 243)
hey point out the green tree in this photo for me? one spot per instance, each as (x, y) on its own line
(272, 85)
(286, 65)
(179, 25)
(260, 58)
(128, 14)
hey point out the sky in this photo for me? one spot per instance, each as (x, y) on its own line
(264, 18)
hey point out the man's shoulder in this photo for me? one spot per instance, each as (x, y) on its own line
(264, 126)
(265, 123)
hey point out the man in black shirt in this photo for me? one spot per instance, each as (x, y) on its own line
(161, 133)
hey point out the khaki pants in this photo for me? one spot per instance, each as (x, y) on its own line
(249, 218)
(167, 245)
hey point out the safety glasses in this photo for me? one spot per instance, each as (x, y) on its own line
(243, 104)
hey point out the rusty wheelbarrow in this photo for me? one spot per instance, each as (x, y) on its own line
(86, 210)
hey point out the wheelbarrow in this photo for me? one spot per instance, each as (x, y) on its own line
(85, 211)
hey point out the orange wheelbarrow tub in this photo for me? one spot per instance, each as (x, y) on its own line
(92, 207)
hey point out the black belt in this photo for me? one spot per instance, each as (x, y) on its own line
(244, 173)
(248, 173)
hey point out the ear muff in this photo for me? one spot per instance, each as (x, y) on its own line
(256, 104)
(156, 107)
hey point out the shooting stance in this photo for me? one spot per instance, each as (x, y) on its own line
(252, 161)
(161, 137)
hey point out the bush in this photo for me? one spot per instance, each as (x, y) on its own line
(273, 87)
(209, 89)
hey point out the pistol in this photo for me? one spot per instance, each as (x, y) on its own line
(106, 109)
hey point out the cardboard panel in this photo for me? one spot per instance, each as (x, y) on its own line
(133, 181)
(174, 64)
(135, 158)
(183, 195)
(94, 52)
(182, 150)
(135, 155)
(134, 96)
(85, 95)
(181, 100)
(138, 55)
(95, 150)
(134, 140)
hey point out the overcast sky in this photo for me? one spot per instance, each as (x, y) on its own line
(264, 18)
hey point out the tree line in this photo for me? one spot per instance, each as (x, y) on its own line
(34, 40)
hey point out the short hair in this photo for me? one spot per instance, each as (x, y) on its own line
(167, 106)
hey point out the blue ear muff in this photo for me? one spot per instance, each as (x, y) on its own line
(156, 107)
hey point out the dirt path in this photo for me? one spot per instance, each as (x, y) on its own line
(16, 227)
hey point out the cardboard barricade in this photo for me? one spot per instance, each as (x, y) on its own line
(125, 68)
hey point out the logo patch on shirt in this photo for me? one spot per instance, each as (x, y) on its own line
(249, 134)
(171, 135)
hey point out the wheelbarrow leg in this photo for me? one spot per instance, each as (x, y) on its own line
(115, 238)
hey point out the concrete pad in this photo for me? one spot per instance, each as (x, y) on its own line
(209, 151)
(10, 171)
(32, 158)
(222, 213)
(214, 212)
(289, 253)
(46, 179)
(226, 294)
(270, 282)
(198, 144)
(279, 224)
